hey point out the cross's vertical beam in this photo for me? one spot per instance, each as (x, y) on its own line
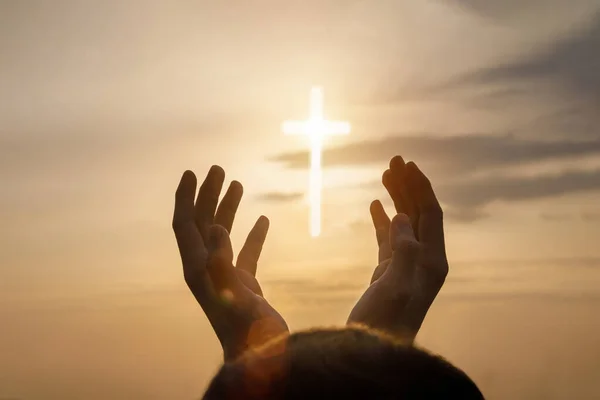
(316, 127)
(315, 184)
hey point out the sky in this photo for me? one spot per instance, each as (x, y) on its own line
(103, 104)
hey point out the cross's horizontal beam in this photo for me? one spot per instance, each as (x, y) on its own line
(315, 127)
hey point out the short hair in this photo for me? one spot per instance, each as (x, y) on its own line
(345, 363)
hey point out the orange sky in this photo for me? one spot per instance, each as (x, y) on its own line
(104, 104)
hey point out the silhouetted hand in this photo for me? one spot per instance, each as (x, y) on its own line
(230, 296)
(412, 257)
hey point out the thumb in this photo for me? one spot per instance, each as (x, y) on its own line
(220, 258)
(405, 247)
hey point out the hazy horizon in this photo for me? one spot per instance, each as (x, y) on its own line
(145, 342)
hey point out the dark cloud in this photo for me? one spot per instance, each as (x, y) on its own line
(455, 215)
(572, 63)
(478, 193)
(586, 216)
(577, 119)
(280, 197)
(465, 201)
(563, 74)
(448, 154)
(449, 161)
(502, 9)
(495, 8)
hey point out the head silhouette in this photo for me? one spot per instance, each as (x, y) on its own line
(347, 363)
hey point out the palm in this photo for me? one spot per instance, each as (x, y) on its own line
(413, 196)
(230, 296)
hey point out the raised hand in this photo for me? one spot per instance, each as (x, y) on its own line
(412, 257)
(230, 296)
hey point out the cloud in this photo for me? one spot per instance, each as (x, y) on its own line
(559, 76)
(449, 154)
(280, 197)
(573, 62)
(502, 9)
(565, 71)
(310, 286)
(464, 215)
(586, 216)
(455, 215)
(590, 216)
(450, 161)
(465, 283)
(465, 201)
(360, 225)
(555, 217)
(577, 119)
(478, 193)
(324, 290)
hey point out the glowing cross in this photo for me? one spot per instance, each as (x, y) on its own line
(316, 128)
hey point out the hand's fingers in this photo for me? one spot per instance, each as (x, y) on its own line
(398, 181)
(208, 197)
(397, 186)
(389, 180)
(431, 227)
(184, 199)
(381, 223)
(401, 178)
(405, 249)
(248, 257)
(191, 246)
(220, 259)
(229, 205)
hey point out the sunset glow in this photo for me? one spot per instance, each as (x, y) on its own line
(104, 106)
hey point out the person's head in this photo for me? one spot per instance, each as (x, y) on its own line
(346, 363)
